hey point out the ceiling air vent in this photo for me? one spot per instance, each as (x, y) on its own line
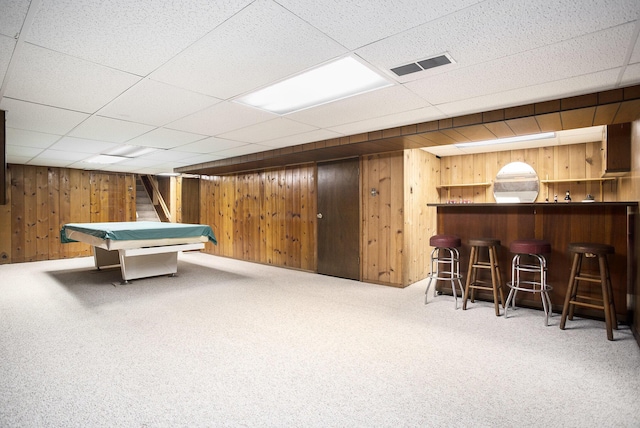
(421, 65)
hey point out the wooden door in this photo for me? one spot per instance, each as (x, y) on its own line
(339, 218)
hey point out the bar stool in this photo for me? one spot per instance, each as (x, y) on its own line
(473, 283)
(573, 299)
(536, 265)
(445, 263)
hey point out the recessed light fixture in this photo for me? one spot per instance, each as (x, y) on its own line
(105, 159)
(333, 81)
(517, 139)
(128, 151)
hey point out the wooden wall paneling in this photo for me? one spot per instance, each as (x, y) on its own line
(270, 215)
(383, 273)
(131, 196)
(415, 231)
(254, 218)
(6, 223)
(230, 215)
(18, 207)
(237, 219)
(398, 253)
(593, 168)
(370, 213)
(577, 169)
(545, 172)
(294, 252)
(66, 215)
(55, 247)
(262, 219)
(307, 219)
(491, 170)
(30, 213)
(549, 122)
(42, 213)
(281, 216)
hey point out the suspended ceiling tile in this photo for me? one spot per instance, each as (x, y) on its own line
(209, 145)
(163, 138)
(81, 145)
(270, 130)
(36, 117)
(20, 160)
(262, 43)
(7, 45)
(382, 102)
(168, 155)
(202, 158)
(373, 20)
(247, 149)
(306, 137)
(631, 75)
(155, 103)
(23, 151)
(425, 114)
(107, 129)
(135, 36)
(550, 90)
(59, 80)
(584, 55)
(20, 137)
(13, 14)
(495, 29)
(220, 118)
(51, 162)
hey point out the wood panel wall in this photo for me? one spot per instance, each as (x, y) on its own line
(573, 161)
(421, 174)
(264, 216)
(382, 214)
(41, 199)
(190, 200)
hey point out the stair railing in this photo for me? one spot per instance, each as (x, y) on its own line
(156, 194)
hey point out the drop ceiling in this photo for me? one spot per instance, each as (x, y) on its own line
(84, 77)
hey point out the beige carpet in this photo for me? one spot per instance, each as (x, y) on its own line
(229, 343)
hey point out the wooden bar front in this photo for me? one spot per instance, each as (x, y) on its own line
(559, 223)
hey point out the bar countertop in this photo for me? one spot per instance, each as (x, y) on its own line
(536, 204)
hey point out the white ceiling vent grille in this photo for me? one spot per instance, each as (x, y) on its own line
(424, 64)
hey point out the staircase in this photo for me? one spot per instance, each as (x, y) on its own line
(145, 211)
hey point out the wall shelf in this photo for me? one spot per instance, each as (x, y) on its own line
(449, 186)
(579, 180)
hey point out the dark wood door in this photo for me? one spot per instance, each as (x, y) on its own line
(339, 218)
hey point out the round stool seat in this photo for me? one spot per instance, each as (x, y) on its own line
(590, 248)
(445, 241)
(484, 242)
(530, 246)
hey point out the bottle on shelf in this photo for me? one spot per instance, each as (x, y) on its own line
(567, 197)
(555, 198)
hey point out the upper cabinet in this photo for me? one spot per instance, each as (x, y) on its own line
(617, 150)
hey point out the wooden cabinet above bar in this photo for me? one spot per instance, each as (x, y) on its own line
(559, 223)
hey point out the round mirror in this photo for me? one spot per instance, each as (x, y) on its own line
(516, 182)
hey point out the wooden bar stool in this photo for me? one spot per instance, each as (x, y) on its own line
(475, 264)
(530, 258)
(573, 299)
(445, 263)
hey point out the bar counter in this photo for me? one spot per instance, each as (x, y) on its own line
(559, 223)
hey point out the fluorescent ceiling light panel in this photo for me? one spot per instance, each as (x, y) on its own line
(105, 159)
(130, 151)
(334, 81)
(517, 139)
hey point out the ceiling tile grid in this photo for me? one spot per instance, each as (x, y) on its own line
(134, 36)
(80, 77)
(46, 77)
(259, 45)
